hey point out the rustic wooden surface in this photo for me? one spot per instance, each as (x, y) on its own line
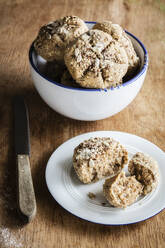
(145, 116)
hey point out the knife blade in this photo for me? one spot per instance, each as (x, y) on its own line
(26, 195)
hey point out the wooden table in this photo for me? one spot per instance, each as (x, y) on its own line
(145, 116)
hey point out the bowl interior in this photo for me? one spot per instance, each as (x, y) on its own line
(39, 64)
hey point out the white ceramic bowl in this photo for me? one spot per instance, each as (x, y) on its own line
(88, 104)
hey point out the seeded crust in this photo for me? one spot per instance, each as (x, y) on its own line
(120, 35)
(97, 158)
(96, 60)
(55, 36)
(146, 171)
(122, 191)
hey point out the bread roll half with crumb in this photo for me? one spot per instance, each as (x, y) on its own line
(122, 191)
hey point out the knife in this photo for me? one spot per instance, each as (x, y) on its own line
(26, 195)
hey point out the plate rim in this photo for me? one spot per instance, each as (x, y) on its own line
(96, 132)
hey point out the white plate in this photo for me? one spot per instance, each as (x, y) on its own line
(71, 194)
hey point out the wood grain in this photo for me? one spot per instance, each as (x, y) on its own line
(145, 116)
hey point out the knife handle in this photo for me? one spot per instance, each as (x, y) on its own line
(26, 195)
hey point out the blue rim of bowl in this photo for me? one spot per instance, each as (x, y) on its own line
(144, 68)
